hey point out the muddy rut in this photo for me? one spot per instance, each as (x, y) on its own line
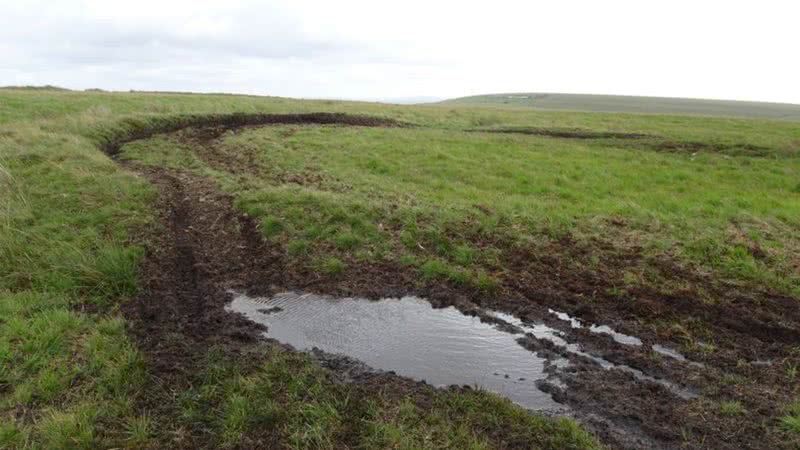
(203, 247)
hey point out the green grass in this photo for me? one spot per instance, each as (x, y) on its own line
(244, 407)
(791, 421)
(732, 408)
(67, 372)
(633, 104)
(66, 215)
(441, 200)
(434, 198)
(331, 266)
(71, 377)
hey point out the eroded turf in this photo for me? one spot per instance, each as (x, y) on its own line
(75, 372)
(209, 248)
(726, 340)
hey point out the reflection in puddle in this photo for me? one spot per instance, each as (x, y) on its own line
(547, 333)
(407, 336)
(666, 351)
(440, 346)
(566, 318)
(539, 331)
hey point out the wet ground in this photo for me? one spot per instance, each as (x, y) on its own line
(440, 346)
(407, 336)
(646, 371)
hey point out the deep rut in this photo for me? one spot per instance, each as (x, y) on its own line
(182, 297)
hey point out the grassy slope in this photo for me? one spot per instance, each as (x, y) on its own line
(536, 186)
(405, 195)
(632, 104)
(71, 377)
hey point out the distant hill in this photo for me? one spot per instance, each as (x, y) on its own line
(45, 87)
(631, 104)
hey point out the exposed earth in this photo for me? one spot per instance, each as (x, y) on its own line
(205, 246)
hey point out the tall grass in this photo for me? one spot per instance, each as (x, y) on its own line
(65, 215)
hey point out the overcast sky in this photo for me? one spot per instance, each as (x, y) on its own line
(745, 50)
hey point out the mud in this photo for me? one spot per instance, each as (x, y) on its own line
(133, 129)
(642, 141)
(621, 338)
(565, 133)
(739, 149)
(204, 247)
(666, 351)
(407, 336)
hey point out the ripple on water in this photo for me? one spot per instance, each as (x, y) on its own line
(408, 336)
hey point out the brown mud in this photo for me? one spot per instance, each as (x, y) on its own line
(564, 133)
(205, 247)
(132, 129)
(641, 141)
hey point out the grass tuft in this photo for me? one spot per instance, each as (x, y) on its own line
(791, 421)
(732, 408)
(140, 431)
(331, 266)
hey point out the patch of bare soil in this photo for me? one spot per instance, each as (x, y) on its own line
(749, 338)
(741, 345)
(203, 248)
(206, 247)
(740, 149)
(565, 133)
(641, 141)
(219, 123)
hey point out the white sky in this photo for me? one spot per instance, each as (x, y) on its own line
(745, 50)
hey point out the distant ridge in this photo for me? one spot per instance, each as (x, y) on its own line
(633, 104)
(45, 87)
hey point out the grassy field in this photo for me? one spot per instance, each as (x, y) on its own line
(449, 197)
(633, 104)
(404, 195)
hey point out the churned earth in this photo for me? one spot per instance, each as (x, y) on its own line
(630, 395)
(213, 271)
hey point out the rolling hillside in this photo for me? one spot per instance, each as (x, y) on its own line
(631, 104)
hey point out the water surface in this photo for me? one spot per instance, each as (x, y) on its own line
(408, 336)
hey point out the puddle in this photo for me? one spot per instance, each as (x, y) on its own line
(666, 351)
(408, 336)
(439, 346)
(621, 338)
(575, 323)
(541, 331)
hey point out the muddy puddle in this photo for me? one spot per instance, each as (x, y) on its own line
(599, 329)
(546, 333)
(442, 346)
(407, 336)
